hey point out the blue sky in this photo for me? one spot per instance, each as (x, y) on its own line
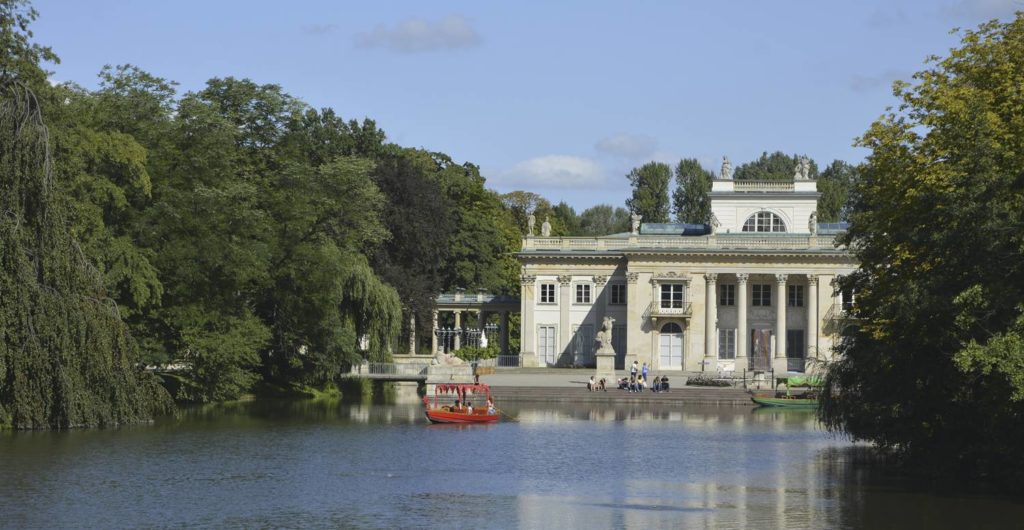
(560, 98)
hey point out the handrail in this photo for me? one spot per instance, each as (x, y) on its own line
(728, 241)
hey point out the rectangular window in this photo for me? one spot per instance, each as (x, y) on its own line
(794, 343)
(547, 293)
(582, 293)
(847, 299)
(761, 294)
(672, 296)
(618, 294)
(796, 296)
(727, 294)
(727, 344)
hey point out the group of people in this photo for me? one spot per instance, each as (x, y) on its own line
(638, 380)
(467, 407)
(596, 386)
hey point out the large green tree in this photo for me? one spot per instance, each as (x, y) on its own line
(935, 368)
(603, 219)
(834, 184)
(691, 202)
(650, 191)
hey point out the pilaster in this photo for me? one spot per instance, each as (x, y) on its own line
(710, 322)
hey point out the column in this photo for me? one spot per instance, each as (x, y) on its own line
(433, 334)
(504, 332)
(564, 325)
(412, 333)
(634, 318)
(710, 322)
(457, 344)
(742, 333)
(527, 339)
(780, 324)
(812, 316)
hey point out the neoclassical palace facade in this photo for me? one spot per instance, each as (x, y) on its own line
(754, 290)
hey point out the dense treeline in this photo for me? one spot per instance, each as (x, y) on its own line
(234, 231)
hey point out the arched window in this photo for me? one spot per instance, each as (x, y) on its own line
(764, 222)
(671, 327)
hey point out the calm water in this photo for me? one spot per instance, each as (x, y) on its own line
(330, 464)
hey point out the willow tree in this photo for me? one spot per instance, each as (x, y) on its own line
(66, 359)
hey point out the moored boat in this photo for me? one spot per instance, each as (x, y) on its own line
(792, 402)
(461, 411)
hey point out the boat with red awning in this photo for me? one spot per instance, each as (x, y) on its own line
(460, 411)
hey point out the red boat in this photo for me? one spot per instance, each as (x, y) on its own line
(459, 412)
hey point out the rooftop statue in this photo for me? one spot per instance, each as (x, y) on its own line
(812, 223)
(803, 169)
(545, 229)
(530, 222)
(635, 223)
(726, 169)
(715, 223)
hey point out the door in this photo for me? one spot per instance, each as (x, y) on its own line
(546, 344)
(671, 357)
(760, 349)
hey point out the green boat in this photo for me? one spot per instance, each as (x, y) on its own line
(785, 402)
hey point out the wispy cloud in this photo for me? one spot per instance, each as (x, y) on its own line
(868, 83)
(980, 10)
(887, 17)
(556, 171)
(319, 29)
(417, 35)
(633, 146)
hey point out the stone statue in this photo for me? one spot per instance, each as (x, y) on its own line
(604, 337)
(530, 222)
(635, 223)
(715, 223)
(803, 169)
(812, 223)
(545, 229)
(726, 169)
(446, 359)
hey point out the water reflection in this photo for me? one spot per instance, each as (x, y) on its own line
(364, 465)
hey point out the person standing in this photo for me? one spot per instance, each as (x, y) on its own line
(632, 371)
(644, 371)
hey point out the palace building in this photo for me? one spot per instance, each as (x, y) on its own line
(754, 290)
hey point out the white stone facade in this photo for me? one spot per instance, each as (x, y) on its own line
(723, 300)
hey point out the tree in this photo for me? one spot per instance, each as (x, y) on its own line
(603, 219)
(691, 201)
(650, 191)
(564, 221)
(520, 204)
(935, 370)
(775, 166)
(834, 184)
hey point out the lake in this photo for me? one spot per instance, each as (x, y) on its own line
(330, 464)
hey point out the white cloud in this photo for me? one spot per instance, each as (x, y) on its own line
(417, 35)
(633, 146)
(556, 171)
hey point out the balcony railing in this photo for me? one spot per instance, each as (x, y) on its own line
(763, 185)
(838, 312)
(656, 311)
(740, 241)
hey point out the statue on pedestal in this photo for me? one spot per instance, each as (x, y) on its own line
(635, 223)
(812, 223)
(545, 229)
(726, 169)
(604, 337)
(530, 222)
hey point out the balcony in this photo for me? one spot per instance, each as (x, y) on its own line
(655, 311)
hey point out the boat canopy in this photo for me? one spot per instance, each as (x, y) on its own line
(462, 389)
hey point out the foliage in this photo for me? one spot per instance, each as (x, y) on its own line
(473, 353)
(603, 219)
(690, 200)
(66, 358)
(834, 184)
(703, 380)
(935, 371)
(775, 166)
(650, 191)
